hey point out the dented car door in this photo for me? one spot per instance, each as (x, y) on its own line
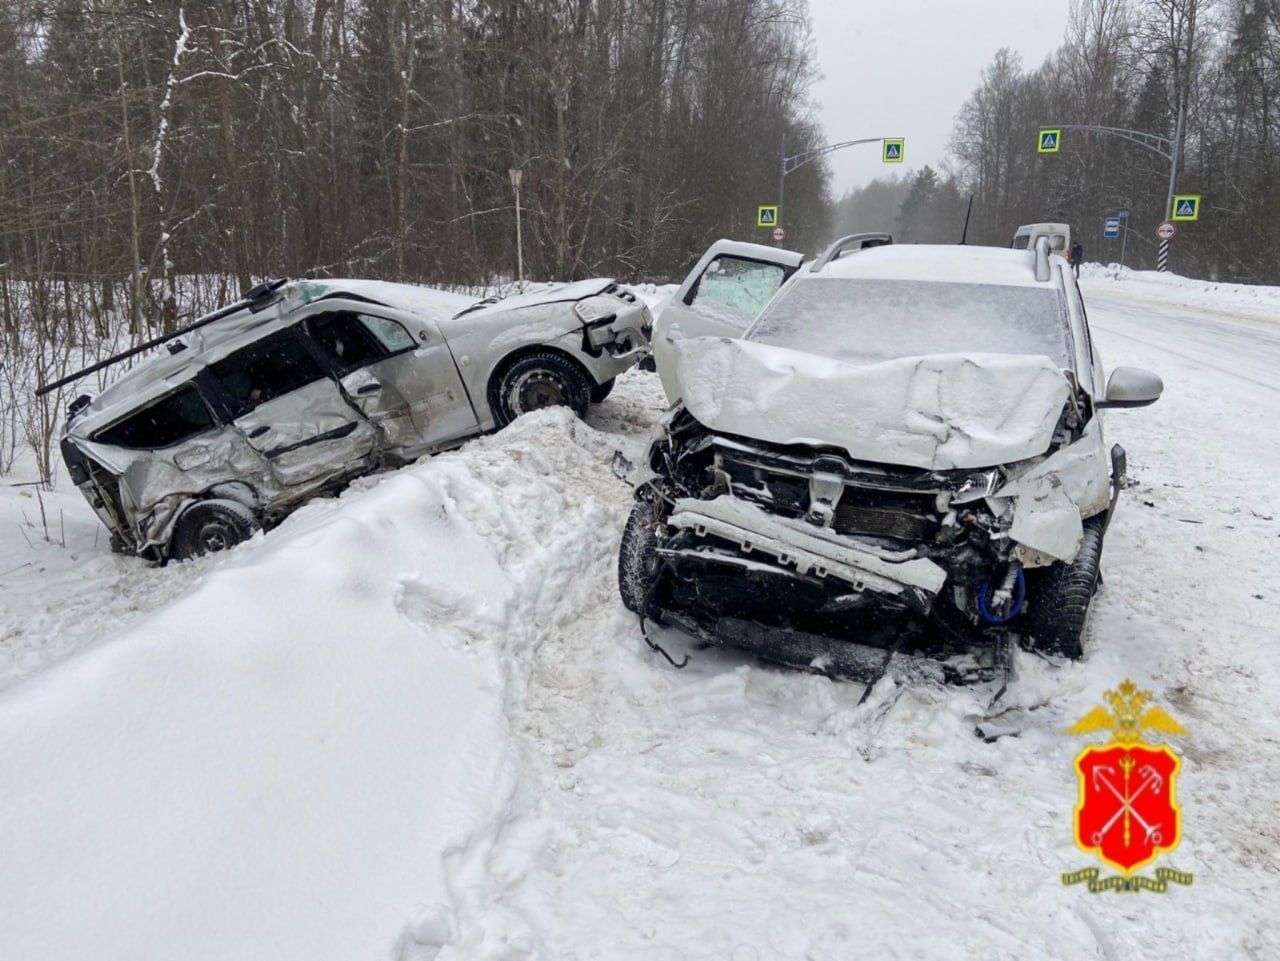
(721, 296)
(397, 368)
(289, 409)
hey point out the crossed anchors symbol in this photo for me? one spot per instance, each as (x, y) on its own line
(1151, 778)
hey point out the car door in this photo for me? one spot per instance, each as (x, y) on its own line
(720, 297)
(398, 369)
(279, 395)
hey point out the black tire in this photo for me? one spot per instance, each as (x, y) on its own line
(600, 391)
(538, 380)
(1059, 597)
(638, 557)
(213, 525)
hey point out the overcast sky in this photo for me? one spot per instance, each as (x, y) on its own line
(903, 68)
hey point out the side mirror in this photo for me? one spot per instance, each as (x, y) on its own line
(1132, 387)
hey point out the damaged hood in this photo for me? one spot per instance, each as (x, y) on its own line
(935, 412)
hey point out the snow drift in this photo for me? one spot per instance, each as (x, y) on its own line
(276, 765)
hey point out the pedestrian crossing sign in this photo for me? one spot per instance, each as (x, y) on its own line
(1050, 141)
(1186, 207)
(767, 216)
(894, 151)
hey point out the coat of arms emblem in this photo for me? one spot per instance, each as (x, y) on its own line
(1127, 812)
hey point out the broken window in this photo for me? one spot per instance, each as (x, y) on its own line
(352, 340)
(266, 369)
(170, 420)
(733, 290)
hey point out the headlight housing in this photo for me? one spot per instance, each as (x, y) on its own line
(595, 311)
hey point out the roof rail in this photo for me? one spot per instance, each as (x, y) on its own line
(256, 299)
(1042, 259)
(846, 244)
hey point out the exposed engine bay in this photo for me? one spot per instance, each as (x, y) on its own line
(804, 555)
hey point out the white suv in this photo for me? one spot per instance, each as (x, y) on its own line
(895, 447)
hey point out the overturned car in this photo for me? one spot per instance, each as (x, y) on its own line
(303, 386)
(891, 451)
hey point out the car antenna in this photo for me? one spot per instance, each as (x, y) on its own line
(254, 298)
(964, 237)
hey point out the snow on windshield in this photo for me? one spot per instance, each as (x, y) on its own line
(863, 321)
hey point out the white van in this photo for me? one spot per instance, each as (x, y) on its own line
(1025, 237)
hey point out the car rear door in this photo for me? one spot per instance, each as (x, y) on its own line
(721, 296)
(398, 370)
(279, 395)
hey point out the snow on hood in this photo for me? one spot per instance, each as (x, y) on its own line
(936, 412)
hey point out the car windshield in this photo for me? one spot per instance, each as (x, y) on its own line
(861, 321)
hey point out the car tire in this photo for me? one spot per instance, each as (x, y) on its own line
(539, 380)
(209, 526)
(600, 391)
(1060, 595)
(638, 555)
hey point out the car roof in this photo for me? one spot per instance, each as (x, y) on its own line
(953, 264)
(206, 345)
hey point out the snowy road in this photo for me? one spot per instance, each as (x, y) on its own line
(728, 810)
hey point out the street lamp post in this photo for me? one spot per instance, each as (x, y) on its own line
(788, 164)
(516, 174)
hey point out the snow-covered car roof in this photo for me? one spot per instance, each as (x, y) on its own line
(936, 262)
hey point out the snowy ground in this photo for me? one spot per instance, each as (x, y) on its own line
(415, 722)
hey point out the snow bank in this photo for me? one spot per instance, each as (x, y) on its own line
(277, 764)
(1240, 301)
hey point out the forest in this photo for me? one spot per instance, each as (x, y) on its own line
(241, 139)
(1129, 64)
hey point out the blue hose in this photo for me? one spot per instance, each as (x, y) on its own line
(1019, 596)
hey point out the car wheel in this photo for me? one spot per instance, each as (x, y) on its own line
(601, 391)
(638, 555)
(1059, 597)
(537, 381)
(210, 526)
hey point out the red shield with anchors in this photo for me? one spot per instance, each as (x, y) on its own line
(1128, 812)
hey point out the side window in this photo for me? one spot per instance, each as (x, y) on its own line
(734, 290)
(345, 340)
(170, 420)
(1021, 241)
(390, 334)
(266, 369)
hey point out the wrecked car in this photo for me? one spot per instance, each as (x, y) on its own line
(303, 386)
(892, 451)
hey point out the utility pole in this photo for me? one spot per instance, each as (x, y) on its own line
(782, 175)
(516, 174)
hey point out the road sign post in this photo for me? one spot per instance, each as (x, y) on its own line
(893, 151)
(779, 234)
(1166, 232)
(1050, 141)
(767, 215)
(1111, 228)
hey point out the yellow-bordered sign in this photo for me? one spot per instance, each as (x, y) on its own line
(767, 216)
(1050, 141)
(1186, 207)
(894, 151)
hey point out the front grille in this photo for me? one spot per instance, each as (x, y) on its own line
(902, 521)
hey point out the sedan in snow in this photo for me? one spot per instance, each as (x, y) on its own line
(893, 450)
(304, 385)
